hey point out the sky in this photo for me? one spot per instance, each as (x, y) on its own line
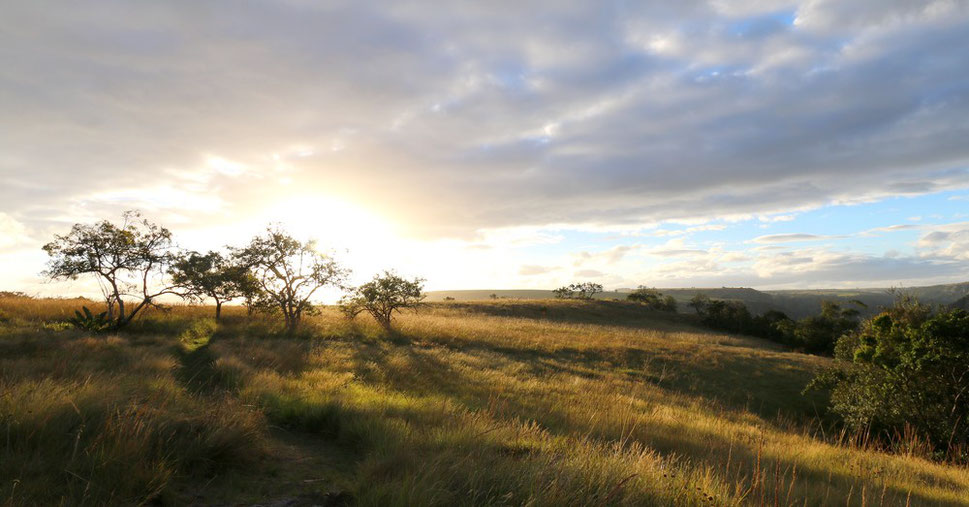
(502, 144)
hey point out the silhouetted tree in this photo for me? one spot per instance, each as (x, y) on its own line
(211, 275)
(699, 303)
(586, 290)
(129, 261)
(288, 272)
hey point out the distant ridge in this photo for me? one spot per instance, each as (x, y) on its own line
(796, 303)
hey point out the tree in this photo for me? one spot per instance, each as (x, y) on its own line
(699, 303)
(586, 290)
(383, 296)
(288, 272)
(819, 333)
(905, 368)
(211, 275)
(129, 261)
(653, 299)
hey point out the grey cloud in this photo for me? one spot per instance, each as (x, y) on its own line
(935, 237)
(450, 105)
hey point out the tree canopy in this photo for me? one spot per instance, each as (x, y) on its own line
(383, 296)
(906, 368)
(211, 275)
(129, 261)
(289, 272)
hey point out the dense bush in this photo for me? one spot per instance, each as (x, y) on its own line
(907, 368)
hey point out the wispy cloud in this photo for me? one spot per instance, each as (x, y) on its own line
(792, 238)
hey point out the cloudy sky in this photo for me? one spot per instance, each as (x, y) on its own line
(503, 144)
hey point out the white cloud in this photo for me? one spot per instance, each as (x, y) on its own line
(13, 233)
(791, 238)
(469, 124)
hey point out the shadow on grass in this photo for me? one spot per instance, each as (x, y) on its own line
(197, 371)
(418, 372)
(602, 312)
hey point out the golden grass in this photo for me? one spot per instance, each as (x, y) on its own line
(492, 403)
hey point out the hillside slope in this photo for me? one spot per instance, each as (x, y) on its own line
(493, 403)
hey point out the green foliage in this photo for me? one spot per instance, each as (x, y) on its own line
(699, 302)
(127, 259)
(212, 275)
(88, 321)
(906, 368)
(383, 296)
(817, 334)
(586, 290)
(653, 299)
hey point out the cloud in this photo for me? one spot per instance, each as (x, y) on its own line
(464, 123)
(790, 238)
(12, 233)
(890, 228)
(610, 256)
(466, 117)
(531, 270)
(946, 242)
(589, 273)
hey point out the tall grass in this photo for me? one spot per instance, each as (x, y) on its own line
(498, 403)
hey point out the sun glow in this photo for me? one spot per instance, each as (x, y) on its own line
(334, 222)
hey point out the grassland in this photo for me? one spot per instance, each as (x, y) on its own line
(470, 403)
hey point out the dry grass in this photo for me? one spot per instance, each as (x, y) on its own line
(497, 403)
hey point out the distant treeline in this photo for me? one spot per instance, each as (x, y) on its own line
(816, 334)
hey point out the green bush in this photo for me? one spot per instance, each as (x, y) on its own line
(88, 321)
(906, 369)
(815, 335)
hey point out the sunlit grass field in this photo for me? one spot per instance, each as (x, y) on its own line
(472, 403)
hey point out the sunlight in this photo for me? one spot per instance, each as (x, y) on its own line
(334, 222)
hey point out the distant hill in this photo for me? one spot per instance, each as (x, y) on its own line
(795, 303)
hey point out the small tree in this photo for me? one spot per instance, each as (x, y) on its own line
(564, 293)
(653, 299)
(818, 334)
(288, 273)
(383, 296)
(210, 275)
(129, 261)
(700, 302)
(586, 290)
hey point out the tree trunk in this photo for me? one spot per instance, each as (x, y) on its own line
(121, 319)
(218, 309)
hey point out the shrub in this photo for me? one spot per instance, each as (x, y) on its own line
(89, 321)
(905, 368)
